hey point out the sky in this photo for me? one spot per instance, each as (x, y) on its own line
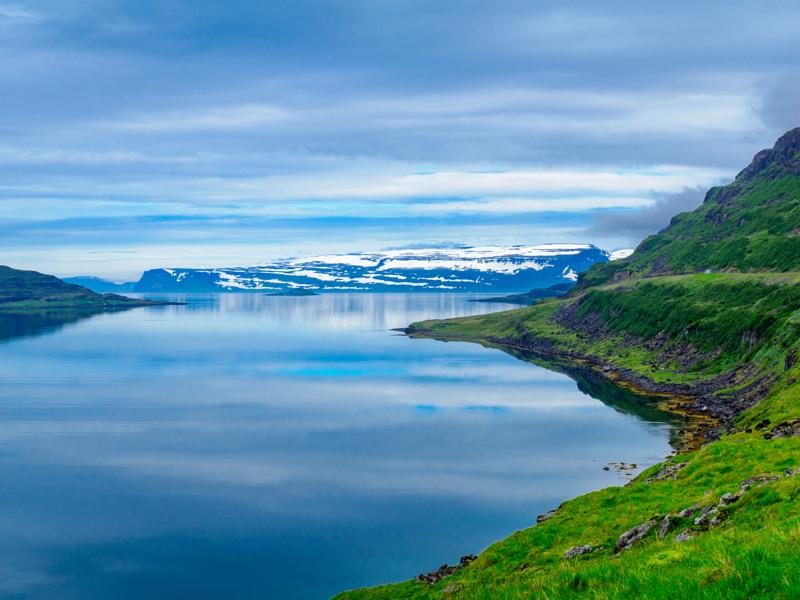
(146, 134)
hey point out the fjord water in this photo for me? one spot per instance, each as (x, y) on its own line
(245, 446)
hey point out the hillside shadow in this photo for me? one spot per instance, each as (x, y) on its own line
(33, 323)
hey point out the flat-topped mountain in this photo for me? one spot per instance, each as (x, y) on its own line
(20, 290)
(751, 224)
(467, 269)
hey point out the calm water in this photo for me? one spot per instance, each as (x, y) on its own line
(281, 448)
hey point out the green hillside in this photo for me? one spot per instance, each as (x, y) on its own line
(752, 224)
(706, 317)
(27, 290)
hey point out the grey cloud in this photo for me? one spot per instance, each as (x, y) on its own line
(781, 104)
(637, 225)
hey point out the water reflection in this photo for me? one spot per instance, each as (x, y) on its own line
(260, 447)
(39, 322)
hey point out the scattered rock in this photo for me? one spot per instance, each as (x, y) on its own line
(548, 515)
(622, 468)
(577, 551)
(784, 430)
(756, 480)
(668, 472)
(630, 537)
(706, 513)
(666, 525)
(717, 518)
(683, 536)
(762, 425)
(688, 512)
(729, 498)
(445, 570)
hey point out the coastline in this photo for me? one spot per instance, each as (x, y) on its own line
(701, 419)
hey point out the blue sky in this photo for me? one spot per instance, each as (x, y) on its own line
(194, 133)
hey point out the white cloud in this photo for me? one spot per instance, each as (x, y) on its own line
(204, 119)
(531, 205)
(16, 14)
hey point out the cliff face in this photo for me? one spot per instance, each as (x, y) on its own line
(751, 224)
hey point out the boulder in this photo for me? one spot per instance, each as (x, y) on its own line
(630, 537)
(577, 551)
(548, 515)
(666, 525)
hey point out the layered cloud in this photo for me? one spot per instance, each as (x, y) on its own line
(342, 125)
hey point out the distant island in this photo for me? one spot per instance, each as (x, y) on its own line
(30, 290)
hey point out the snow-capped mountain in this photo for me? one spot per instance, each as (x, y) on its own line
(469, 269)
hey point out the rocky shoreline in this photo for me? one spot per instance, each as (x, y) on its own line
(707, 413)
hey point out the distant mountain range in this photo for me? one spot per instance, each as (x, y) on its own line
(466, 269)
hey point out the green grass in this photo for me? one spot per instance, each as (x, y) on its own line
(725, 319)
(753, 553)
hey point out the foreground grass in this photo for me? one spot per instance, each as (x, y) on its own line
(751, 555)
(720, 322)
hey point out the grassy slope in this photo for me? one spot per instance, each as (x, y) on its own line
(29, 290)
(728, 319)
(750, 555)
(731, 338)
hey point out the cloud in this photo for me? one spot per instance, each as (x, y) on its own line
(781, 104)
(223, 118)
(636, 225)
(390, 112)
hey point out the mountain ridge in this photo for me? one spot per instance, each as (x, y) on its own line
(751, 224)
(507, 269)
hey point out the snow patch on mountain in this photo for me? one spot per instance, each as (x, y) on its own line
(465, 269)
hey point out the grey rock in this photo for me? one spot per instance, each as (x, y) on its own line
(706, 513)
(668, 472)
(728, 499)
(445, 570)
(757, 480)
(548, 515)
(688, 512)
(577, 551)
(666, 525)
(784, 430)
(683, 536)
(630, 537)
